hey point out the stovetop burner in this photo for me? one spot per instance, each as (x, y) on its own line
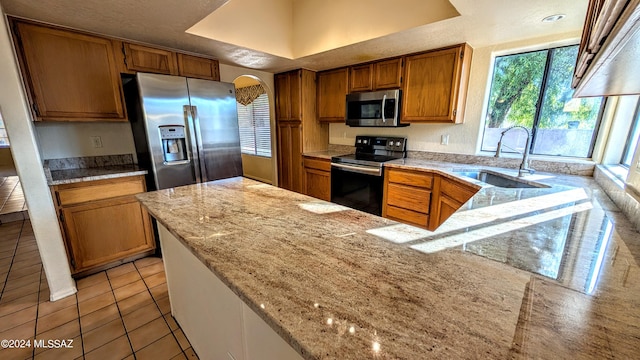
(374, 150)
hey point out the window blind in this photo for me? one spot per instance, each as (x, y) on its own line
(255, 127)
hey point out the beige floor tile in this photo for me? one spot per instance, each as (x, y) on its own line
(55, 319)
(144, 262)
(151, 269)
(148, 333)
(91, 280)
(13, 294)
(134, 302)
(159, 291)
(120, 270)
(164, 305)
(93, 291)
(129, 290)
(96, 303)
(102, 335)
(18, 318)
(125, 279)
(65, 332)
(191, 354)
(72, 352)
(182, 339)
(141, 316)
(165, 348)
(116, 350)
(173, 325)
(9, 307)
(99, 317)
(48, 307)
(155, 279)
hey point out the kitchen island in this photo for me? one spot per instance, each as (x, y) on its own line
(507, 277)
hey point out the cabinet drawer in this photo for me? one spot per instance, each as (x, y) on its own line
(424, 180)
(99, 190)
(407, 216)
(409, 198)
(456, 190)
(324, 165)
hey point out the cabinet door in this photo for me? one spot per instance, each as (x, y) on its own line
(388, 74)
(331, 95)
(288, 96)
(361, 78)
(103, 231)
(198, 67)
(297, 170)
(433, 82)
(318, 183)
(147, 59)
(447, 207)
(284, 156)
(72, 76)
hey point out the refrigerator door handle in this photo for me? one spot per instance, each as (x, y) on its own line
(203, 163)
(192, 147)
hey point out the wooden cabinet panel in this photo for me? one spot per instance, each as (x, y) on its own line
(317, 178)
(103, 223)
(290, 169)
(361, 78)
(331, 95)
(435, 85)
(99, 191)
(71, 76)
(148, 59)
(387, 74)
(198, 67)
(456, 190)
(103, 231)
(413, 178)
(407, 216)
(288, 96)
(446, 208)
(409, 197)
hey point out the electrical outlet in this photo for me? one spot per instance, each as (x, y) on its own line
(444, 139)
(96, 141)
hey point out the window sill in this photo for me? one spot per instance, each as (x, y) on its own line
(548, 158)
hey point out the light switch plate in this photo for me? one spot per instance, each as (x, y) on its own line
(96, 141)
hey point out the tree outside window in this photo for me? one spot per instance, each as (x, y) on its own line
(533, 90)
(4, 138)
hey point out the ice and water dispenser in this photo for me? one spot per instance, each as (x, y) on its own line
(174, 147)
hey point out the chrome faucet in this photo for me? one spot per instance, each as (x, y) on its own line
(524, 167)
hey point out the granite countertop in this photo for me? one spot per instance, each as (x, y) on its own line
(327, 154)
(78, 169)
(526, 273)
(69, 176)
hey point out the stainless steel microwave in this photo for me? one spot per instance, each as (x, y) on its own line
(374, 109)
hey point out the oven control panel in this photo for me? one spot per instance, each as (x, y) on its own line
(381, 143)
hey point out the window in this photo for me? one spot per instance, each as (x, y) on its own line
(632, 140)
(533, 90)
(4, 139)
(254, 122)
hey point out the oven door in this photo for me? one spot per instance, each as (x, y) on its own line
(357, 187)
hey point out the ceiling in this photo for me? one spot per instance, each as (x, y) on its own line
(165, 22)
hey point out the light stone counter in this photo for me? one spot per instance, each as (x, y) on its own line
(517, 273)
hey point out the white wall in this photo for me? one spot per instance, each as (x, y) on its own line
(65, 140)
(24, 147)
(260, 168)
(463, 138)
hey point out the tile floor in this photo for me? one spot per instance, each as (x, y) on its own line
(12, 204)
(121, 313)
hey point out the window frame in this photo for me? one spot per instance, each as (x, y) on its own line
(627, 150)
(539, 105)
(254, 129)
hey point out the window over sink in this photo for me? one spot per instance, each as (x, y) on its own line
(533, 89)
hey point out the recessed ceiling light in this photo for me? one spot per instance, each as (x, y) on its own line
(553, 18)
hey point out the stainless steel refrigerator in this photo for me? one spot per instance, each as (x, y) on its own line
(185, 130)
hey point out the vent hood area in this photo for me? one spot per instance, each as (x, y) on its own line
(609, 54)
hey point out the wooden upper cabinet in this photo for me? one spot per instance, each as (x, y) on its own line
(198, 67)
(288, 95)
(148, 59)
(387, 74)
(332, 91)
(70, 76)
(435, 85)
(361, 78)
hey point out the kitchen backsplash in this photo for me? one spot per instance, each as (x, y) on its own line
(87, 162)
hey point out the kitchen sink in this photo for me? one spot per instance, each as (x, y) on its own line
(498, 179)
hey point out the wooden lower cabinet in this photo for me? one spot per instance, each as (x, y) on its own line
(317, 178)
(422, 198)
(290, 156)
(103, 223)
